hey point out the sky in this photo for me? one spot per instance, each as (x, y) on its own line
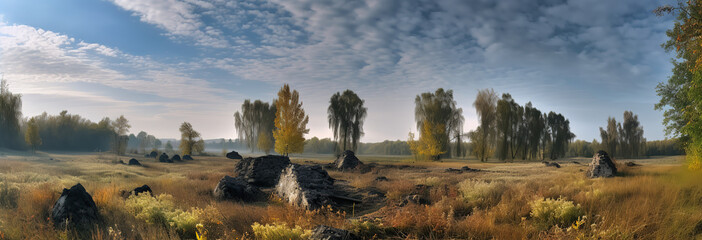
(163, 62)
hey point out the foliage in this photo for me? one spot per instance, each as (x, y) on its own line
(666, 147)
(279, 231)
(290, 122)
(10, 116)
(559, 127)
(518, 129)
(73, 132)
(31, 135)
(320, 146)
(9, 195)
(368, 229)
(255, 121)
(161, 210)
(624, 139)
(346, 115)
(681, 96)
(438, 119)
(120, 127)
(483, 137)
(429, 143)
(190, 140)
(480, 193)
(550, 212)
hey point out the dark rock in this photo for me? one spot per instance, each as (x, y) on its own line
(230, 188)
(175, 158)
(552, 164)
(262, 171)
(306, 186)
(75, 208)
(234, 155)
(453, 170)
(163, 158)
(632, 164)
(467, 169)
(323, 232)
(147, 155)
(381, 179)
(601, 166)
(347, 160)
(576, 162)
(121, 162)
(153, 154)
(187, 157)
(143, 189)
(134, 162)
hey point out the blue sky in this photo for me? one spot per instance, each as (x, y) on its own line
(162, 62)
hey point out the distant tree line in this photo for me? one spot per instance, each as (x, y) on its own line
(10, 117)
(624, 140)
(510, 131)
(73, 132)
(387, 147)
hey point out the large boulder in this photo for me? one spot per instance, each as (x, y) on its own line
(164, 158)
(347, 160)
(175, 158)
(306, 186)
(134, 162)
(230, 188)
(262, 171)
(324, 232)
(75, 208)
(234, 155)
(187, 157)
(153, 154)
(143, 190)
(601, 166)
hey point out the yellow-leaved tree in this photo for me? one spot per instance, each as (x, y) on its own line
(31, 136)
(428, 146)
(290, 122)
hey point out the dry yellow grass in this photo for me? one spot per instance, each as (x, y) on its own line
(659, 200)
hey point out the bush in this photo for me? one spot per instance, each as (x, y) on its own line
(481, 193)
(160, 210)
(279, 232)
(368, 229)
(8, 195)
(549, 212)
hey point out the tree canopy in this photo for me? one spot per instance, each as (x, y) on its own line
(255, 124)
(438, 119)
(290, 122)
(346, 115)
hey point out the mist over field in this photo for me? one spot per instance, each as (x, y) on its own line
(361, 119)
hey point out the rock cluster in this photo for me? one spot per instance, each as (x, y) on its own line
(417, 196)
(324, 232)
(234, 155)
(142, 189)
(230, 188)
(461, 170)
(601, 166)
(262, 171)
(75, 208)
(347, 160)
(552, 164)
(153, 154)
(305, 186)
(134, 162)
(187, 157)
(164, 158)
(175, 158)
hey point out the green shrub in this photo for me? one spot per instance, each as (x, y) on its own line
(279, 231)
(8, 195)
(160, 210)
(481, 193)
(559, 212)
(368, 229)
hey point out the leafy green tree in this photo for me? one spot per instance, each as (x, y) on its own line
(190, 141)
(31, 136)
(346, 115)
(560, 135)
(610, 136)
(437, 110)
(681, 96)
(10, 115)
(290, 122)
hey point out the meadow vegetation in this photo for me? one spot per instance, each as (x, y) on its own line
(659, 199)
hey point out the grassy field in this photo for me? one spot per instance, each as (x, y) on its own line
(659, 199)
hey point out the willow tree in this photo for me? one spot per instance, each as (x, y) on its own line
(255, 124)
(484, 136)
(610, 136)
(290, 122)
(10, 115)
(190, 140)
(439, 110)
(346, 115)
